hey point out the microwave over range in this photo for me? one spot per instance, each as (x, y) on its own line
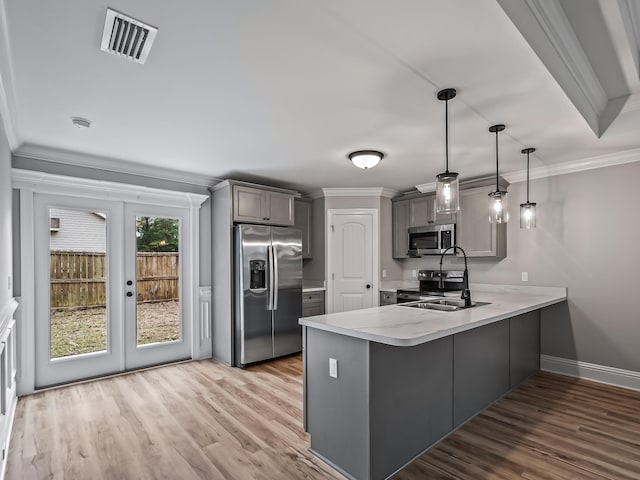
(431, 239)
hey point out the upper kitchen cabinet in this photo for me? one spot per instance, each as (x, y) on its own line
(475, 234)
(257, 205)
(400, 220)
(303, 222)
(423, 212)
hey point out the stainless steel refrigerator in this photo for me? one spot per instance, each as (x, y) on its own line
(268, 292)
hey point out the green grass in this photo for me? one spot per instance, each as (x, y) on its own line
(74, 332)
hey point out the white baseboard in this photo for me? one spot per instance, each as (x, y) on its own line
(591, 371)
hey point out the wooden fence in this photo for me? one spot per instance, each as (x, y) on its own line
(78, 278)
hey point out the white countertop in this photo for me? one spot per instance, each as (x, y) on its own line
(404, 326)
(313, 286)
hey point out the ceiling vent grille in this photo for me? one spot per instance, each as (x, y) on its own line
(127, 37)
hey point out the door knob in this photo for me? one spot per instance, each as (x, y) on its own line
(368, 285)
(129, 294)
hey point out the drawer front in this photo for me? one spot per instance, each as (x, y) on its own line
(387, 298)
(313, 297)
(312, 303)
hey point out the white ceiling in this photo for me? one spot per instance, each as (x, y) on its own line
(281, 91)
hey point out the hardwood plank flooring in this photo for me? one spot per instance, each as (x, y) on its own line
(202, 420)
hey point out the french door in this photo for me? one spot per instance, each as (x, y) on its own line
(108, 287)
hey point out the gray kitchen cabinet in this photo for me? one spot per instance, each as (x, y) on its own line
(312, 303)
(257, 205)
(423, 212)
(400, 220)
(524, 338)
(303, 222)
(480, 369)
(387, 298)
(474, 233)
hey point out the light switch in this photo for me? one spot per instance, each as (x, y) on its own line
(384, 273)
(333, 368)
(525, 276)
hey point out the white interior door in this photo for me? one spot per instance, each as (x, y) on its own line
(78, 288)
(352, 259)
(155, 328)
(109, 287)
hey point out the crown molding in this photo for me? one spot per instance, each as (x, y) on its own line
(426, 187)
(7, 92)
(601, 161)
(77, 159)
(356, 192)
(50, 183)
(544, 25)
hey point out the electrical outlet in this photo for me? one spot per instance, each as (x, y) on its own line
(525, 276)
(414, 273)
(10, 283)
(333, 368)
(384, 273)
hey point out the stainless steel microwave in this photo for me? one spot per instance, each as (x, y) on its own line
(431, 239)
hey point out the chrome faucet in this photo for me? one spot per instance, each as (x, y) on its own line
(466, 293)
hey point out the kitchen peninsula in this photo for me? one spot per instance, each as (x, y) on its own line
(382, 385)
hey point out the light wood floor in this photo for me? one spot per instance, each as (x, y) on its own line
(203, 420)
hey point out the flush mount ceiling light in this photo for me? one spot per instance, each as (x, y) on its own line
(528, 209)
(447, 198)
(498, 212)
(81, 123)
(366, 158)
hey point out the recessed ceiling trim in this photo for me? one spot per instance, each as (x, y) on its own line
(127, 37)
(7, 92)
(38, 152)
(630, 12)
(601, 161)
(544, 25)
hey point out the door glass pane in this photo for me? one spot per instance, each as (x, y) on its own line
(157, 279)
(78, 274)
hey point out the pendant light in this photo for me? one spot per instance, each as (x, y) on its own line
(447, 197)
(528, 210)
(498, 212)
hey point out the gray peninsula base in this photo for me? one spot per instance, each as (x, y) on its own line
(390, 404)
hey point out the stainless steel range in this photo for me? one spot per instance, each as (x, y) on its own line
(432, 285)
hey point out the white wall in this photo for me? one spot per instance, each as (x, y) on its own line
(588, 239)
(5, 220)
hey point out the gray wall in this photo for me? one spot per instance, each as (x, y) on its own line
(5, 219)
(314, 269)
(587, 240)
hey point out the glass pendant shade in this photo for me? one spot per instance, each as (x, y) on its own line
(447, 193)
(498, 211)
(528, 215)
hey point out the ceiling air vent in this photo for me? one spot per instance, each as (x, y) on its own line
(127, 37)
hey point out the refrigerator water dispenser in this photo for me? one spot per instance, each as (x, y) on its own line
(257, 270)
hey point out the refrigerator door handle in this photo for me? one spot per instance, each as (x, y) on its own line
(271, 277)
(276, 284)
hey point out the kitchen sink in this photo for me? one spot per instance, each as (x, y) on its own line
(443, 304)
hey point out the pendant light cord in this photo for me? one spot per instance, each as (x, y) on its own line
(446, 135)
(497, 181)
(527, 177)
